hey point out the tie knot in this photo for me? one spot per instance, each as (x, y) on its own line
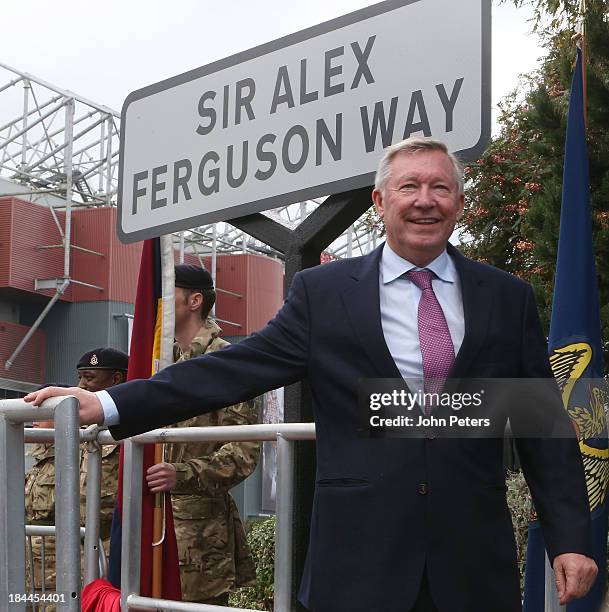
(421, 278)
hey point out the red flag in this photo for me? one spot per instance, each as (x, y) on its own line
(101, 596)
(143, 362)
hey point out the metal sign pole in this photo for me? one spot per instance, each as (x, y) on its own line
(303, 247)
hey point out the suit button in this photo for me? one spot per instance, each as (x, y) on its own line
(422, 488)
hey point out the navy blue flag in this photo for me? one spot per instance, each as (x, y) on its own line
(576, 354)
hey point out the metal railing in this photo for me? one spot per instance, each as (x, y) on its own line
(45, 531)
(13, 414)
(284, 434)
(92, 551)
(67, 435)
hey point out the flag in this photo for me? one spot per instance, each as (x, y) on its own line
(100, 596)
(151, 344)
(576, 354)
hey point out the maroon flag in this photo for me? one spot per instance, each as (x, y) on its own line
(143, 357)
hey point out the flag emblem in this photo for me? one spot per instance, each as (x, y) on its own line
(584, 401)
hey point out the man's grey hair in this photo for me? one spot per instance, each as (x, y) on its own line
(413, 145)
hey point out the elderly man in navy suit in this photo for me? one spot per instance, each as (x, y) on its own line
(398, 524)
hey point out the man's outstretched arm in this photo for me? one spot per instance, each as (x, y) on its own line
(272, 358)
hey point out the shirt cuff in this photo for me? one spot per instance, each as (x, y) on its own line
(111, 415)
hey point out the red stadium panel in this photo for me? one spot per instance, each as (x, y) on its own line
(115, 270)
(250, 291)
(250, 285)
(29, 365)
(32, 239)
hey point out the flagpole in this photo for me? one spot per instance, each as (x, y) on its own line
(584, 48)
(165, 359)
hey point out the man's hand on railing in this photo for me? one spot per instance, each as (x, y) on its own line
(90, 413)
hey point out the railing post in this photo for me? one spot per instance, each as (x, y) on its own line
(283, 525)
(94, 459)
(552, 603)
(133, 454)
(12, 512)
(67, 503)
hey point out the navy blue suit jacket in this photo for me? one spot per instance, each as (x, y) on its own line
(372, 531)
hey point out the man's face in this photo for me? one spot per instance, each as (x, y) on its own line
(186, 302)
(98, 380)
(182, 311)
(420, 204)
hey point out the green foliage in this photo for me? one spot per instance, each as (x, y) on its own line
(549, 15)
(513, 193)
(261, 538)
(521, 509)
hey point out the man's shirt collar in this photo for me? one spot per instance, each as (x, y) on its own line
(393, 266)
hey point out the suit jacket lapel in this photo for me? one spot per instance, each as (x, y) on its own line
(362, 304)
(477, 307)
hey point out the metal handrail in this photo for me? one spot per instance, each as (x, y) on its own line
(284, 433)
(13, 413)
(50, 530)
(17, 411)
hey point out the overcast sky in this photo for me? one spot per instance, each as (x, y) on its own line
(104, 50)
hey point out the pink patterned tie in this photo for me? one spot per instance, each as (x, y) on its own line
(437, 348)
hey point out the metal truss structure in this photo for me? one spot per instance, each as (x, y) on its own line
(61, 150)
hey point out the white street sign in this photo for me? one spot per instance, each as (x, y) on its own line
(303, 116)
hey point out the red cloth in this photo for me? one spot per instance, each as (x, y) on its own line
(101, 596)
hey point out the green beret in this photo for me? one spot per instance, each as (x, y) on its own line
(193, 277)
(104, 359)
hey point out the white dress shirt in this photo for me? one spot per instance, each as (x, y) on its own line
(399, 303)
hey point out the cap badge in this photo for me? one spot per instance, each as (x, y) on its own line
(94, 360)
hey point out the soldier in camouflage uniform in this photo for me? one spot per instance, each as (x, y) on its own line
(100, 369)
(214, 554)
(97, 370)
(40, 509)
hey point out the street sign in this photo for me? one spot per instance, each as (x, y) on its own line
(303, 116)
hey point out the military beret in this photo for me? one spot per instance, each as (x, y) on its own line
(104, 359)
(193, 277)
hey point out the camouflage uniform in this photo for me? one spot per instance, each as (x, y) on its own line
(214, 554)
(40, 510)
(109, 483)
(40, 502)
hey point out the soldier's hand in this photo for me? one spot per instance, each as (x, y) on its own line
(91, 412)
(161, 477)
(574, 574)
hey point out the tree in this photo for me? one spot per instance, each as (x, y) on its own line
(514, 190)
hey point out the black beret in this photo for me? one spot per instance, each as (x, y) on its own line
(193, 277)
(104, 359)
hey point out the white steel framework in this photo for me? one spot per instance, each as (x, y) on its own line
(61, 150)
